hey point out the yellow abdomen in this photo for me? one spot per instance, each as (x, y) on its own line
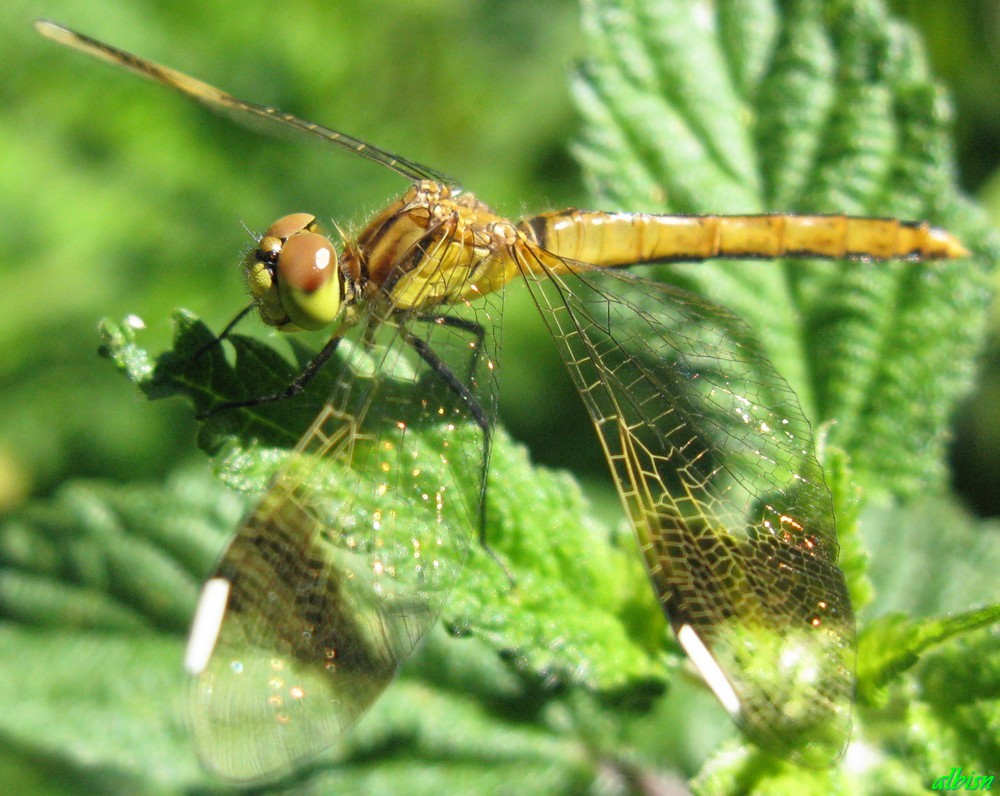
(617, 239)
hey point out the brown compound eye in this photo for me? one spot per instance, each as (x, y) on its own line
(286, 226)
(307, 261)
(308, 279)
(271, 242)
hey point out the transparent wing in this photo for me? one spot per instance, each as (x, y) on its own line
(348, 558)
(260, 117)
(714, 463)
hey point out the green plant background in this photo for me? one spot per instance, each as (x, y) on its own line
(119, 198)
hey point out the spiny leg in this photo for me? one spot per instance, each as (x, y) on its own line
(225, 332)
(297, 385)
(307, 374)
(465, 325)
(441, 369)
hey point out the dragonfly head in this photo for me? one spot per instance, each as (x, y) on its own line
(293, 276)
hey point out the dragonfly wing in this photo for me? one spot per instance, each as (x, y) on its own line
(714, 462)
(270, 121)
(346, 561)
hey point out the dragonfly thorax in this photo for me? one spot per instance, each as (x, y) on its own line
(293, 276)
(432, 246)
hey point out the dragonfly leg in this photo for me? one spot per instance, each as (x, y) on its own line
(472, 327)
(225, 332)
(293, 389)
(441, 369)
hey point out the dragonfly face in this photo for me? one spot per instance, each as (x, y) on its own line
(293, 277)
(346, 561)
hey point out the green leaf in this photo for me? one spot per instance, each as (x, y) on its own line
(811, 107)
(566, 618)
(139, 554)
(931, 670)
(113, 559)
(579, 620)
(197, 368)
(96, 709)
(958, 716)
(97, 586)
(928, 557)
(892, 644)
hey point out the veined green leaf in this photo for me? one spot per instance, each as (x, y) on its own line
(745, 107)
(894, 643)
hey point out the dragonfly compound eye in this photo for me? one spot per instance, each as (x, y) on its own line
(308, 280)
(286, 226)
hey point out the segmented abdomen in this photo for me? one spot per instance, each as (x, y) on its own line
(617, 239)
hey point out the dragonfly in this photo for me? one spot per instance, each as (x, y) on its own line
(345, 562)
